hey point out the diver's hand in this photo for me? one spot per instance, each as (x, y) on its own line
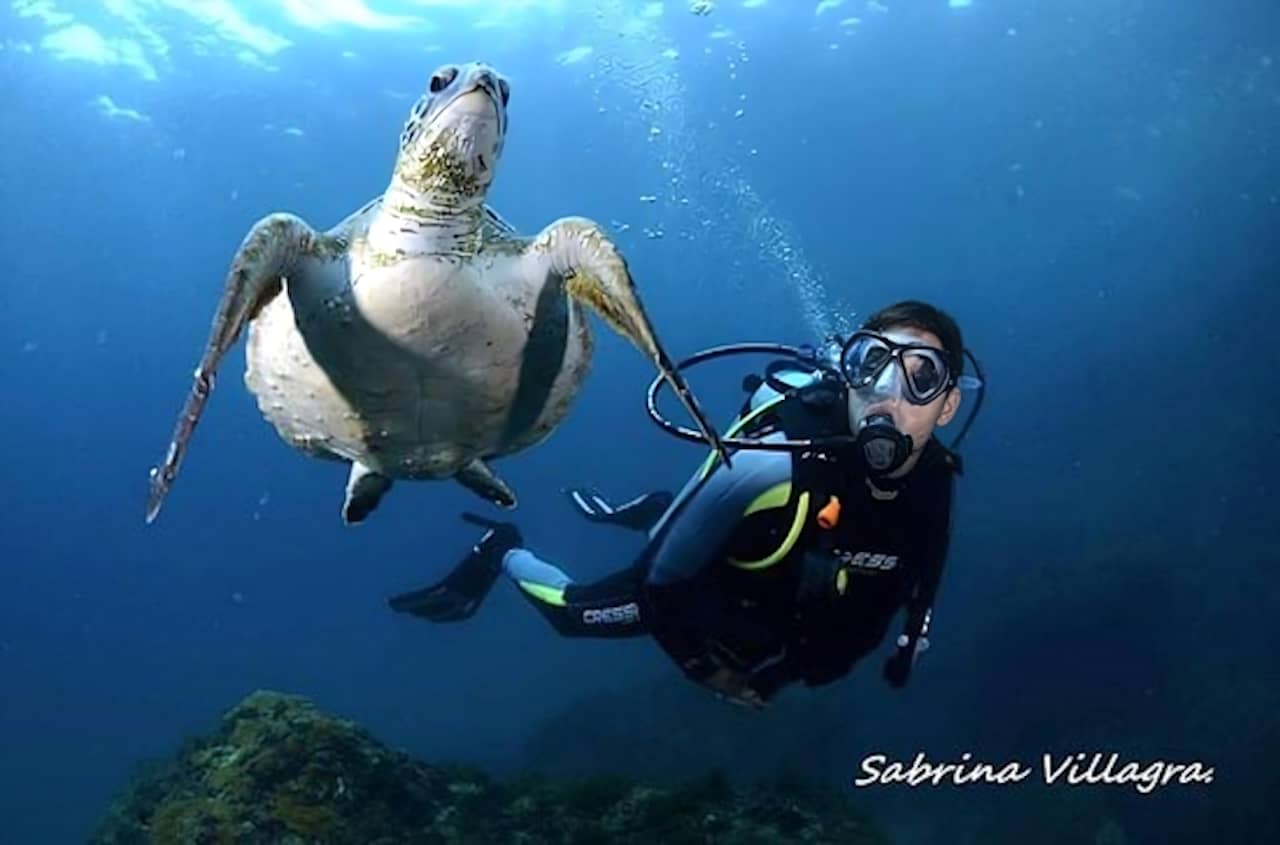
(897, 669)
(735, 687)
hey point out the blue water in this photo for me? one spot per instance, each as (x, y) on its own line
(1092, 189)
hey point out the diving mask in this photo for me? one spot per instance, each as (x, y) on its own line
(880, 368)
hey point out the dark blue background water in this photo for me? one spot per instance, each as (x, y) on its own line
(1093, 192)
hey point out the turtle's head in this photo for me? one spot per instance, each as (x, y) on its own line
(452, 141)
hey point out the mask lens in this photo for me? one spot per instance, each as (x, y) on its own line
(925, 372)
(864, 359)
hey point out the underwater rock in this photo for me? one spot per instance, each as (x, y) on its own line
(280, 770)
(664, 727)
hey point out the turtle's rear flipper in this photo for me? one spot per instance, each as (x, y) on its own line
(461, 592)
(365, 488)
(597, 276)
(267, 254)
(485, 483)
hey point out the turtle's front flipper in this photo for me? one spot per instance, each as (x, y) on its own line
(365, 488)
(267, 254)
(596, 275)
(479, 479)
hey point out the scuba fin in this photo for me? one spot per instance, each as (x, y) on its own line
(639, 514)
(459, 594)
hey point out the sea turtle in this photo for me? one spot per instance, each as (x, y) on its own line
(421, 336)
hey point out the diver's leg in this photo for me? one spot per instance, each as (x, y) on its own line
(610, 607)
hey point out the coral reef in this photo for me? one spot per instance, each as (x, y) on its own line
(280, 770)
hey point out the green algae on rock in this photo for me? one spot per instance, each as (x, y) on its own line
(280, 770)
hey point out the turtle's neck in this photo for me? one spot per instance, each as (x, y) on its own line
(423, 213)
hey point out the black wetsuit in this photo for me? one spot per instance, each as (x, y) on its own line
(739, 571)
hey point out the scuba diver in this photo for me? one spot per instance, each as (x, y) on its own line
(787, 561)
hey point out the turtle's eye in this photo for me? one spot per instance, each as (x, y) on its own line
(442, 78)
(504, 88)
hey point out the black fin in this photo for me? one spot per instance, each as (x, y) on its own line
(639, 514)
(460, 593)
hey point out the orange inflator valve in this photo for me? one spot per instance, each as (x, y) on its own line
(830, 513)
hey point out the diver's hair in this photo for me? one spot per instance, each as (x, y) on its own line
(914, 314)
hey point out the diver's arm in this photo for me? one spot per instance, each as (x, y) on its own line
(816, 662)
(768, 679)
(683, 587)
(914, 639)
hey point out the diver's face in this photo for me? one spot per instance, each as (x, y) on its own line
(917, 421)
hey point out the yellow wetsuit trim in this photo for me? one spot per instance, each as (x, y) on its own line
(543, 593)
(775, 497)
(770, 499)
(714, 457)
